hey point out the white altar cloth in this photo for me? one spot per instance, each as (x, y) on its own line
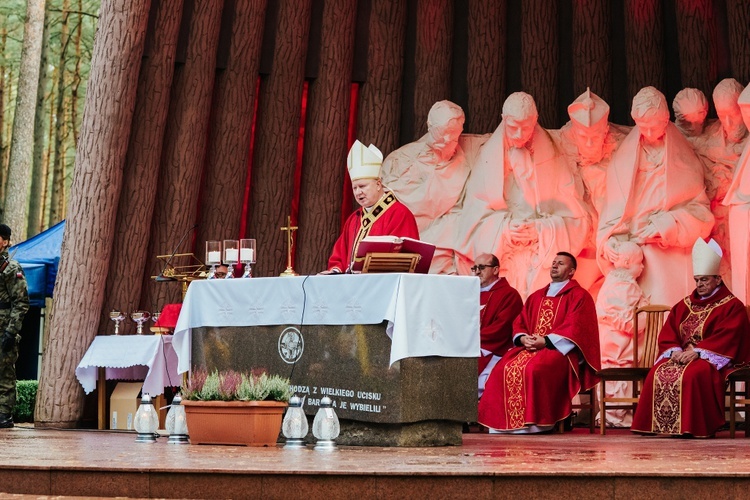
(427, 314)
(150, 358)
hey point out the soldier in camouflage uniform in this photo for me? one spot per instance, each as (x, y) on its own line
(14, 302)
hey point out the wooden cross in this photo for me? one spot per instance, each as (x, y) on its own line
(289, 229)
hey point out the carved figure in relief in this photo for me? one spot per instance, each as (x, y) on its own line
(737, 199)
(618, 297)
(655, 198)
(589, 141)
(719, 148)
(690, 111)
(522, 199)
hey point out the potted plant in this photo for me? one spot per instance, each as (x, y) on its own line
(232, 407)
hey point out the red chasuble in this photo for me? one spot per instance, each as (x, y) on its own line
(689, 399)
(388, 217)
(536, 388)
(499, 307)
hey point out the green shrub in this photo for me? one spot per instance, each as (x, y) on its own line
(25, 401)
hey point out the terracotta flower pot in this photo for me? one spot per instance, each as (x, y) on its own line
(248, 423)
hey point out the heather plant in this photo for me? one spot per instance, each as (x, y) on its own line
(236, 386)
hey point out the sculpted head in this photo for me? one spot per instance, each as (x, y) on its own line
(487, 268)
(651, 114)
(563, 267)
(520, 118)
(588, 120)
(445, 122)
(725, 98)
(630, 258)
(744, 103)
(690, 110)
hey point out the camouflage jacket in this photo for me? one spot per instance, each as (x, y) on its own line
(13, 291)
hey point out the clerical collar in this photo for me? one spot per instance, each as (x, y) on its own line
(367, 210)
(555, 287)
(488, 287)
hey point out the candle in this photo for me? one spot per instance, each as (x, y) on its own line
(214, 257)
(230, 254)
(246, 254)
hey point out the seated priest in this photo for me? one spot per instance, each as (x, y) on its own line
(705, 335)
(499, 305)
(380, 213)
(556, 355)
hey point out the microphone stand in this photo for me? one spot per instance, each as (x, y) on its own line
(161, 277)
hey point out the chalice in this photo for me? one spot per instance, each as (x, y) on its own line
(117, 317)
(140, 317)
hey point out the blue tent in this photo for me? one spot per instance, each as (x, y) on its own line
(39, 257)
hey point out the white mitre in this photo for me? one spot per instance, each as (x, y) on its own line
(706, 258)
(364, 162)
(588, 109)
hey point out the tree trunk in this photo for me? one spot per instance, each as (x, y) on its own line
(3, 164)
(274, 166)
(696, 37)
(323, 168)
(738, 14)
(76, 76)
(141, 170)
(232, 120)
(47, 157)
(540, 57)
(485, 76)
(432, 60)
(40, 122)
(591, 54)
(84, 262)
(22, 142)
(380, 102)
(184, 150)
(58, 169)
(643, 45)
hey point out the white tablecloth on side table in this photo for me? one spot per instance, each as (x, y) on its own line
(427, 314)
(150, 358)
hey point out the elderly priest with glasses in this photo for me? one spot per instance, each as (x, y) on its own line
(380, 213)
(705, 335)
(499, 305)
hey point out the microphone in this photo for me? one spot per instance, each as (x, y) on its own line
(161, 276)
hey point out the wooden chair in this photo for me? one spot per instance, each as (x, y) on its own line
(740, 375)
(643, 359)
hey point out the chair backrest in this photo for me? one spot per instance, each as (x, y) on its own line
(645, 352)
(747, 308)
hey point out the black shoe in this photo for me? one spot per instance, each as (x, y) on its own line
(6, 422)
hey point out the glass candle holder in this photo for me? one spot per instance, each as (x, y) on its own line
(176, 423)
(146, 421)
(231, 256)
(213, 257)
(295, 425)
(247, 256)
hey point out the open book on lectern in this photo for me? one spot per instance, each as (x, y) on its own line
(395, 245)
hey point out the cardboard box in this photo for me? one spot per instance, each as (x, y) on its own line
(123, 404)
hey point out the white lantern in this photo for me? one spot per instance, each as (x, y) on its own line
(295, 425)
(176, 423)
(146, 421)
(326, 426)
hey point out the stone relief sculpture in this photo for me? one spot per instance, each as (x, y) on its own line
(655, 198)
(719, 148)
(522, 202)
(690, 111)
(589, 141)
(428, 175)
(618, 297)
(737, 199)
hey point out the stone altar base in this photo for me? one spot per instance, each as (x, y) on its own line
(414, 402)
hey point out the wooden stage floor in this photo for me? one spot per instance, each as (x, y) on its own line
(572, 465)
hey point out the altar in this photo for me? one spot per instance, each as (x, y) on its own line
(397, 353)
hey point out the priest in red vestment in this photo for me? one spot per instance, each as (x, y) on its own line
(499, 305)
(556, 355)
(380, 213)
(705, 336)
